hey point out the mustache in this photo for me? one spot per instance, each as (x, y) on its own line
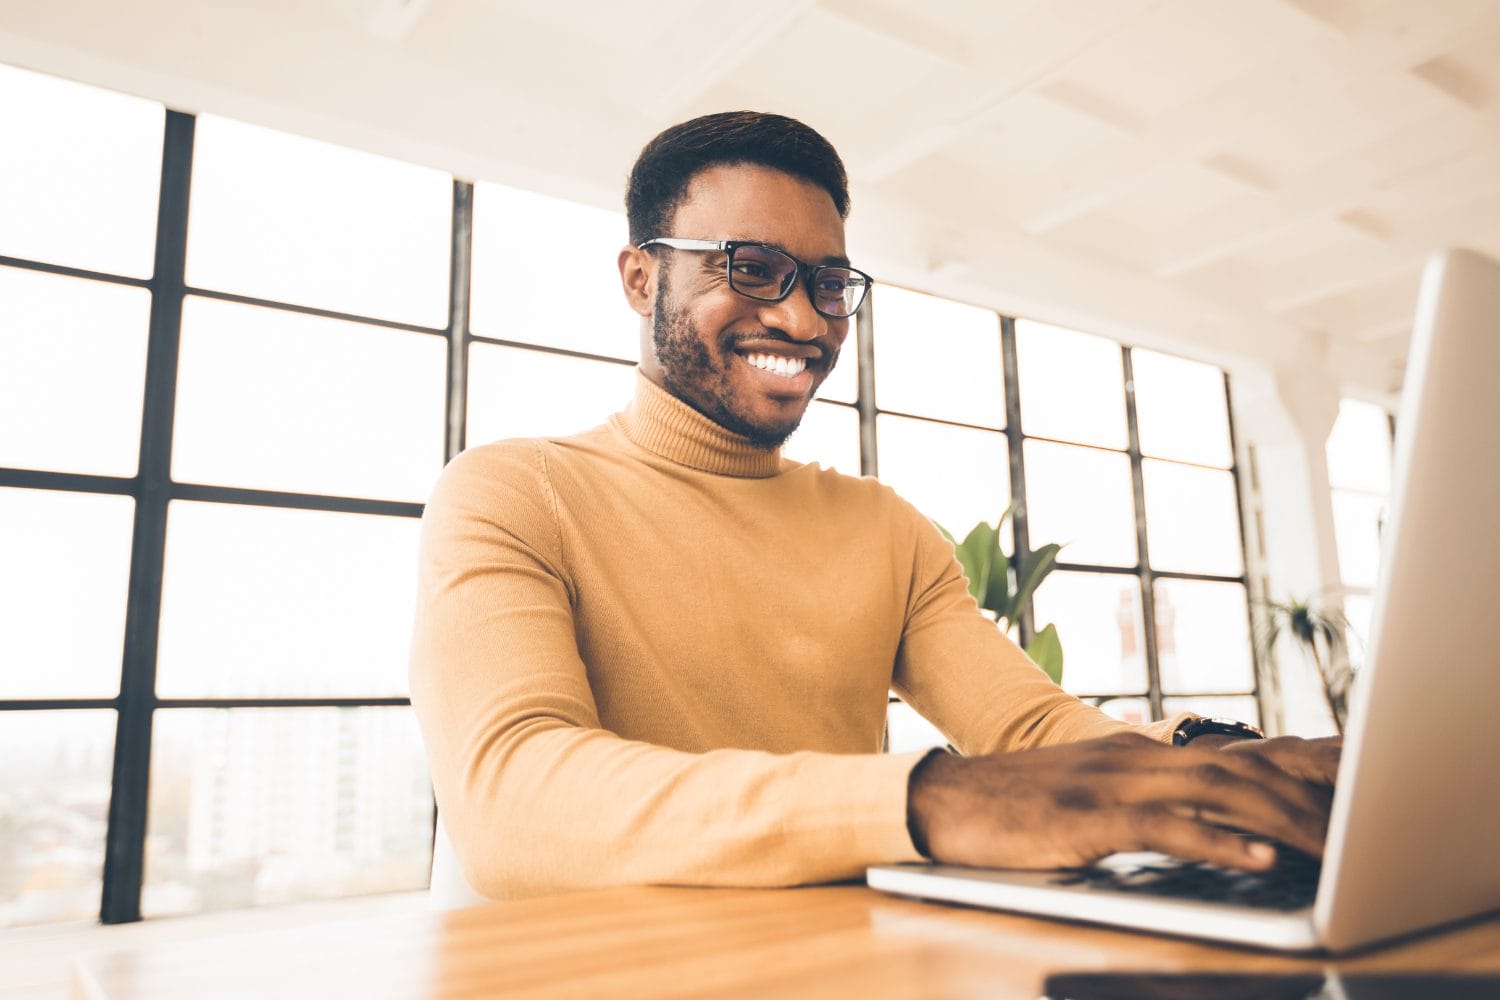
(827, 353)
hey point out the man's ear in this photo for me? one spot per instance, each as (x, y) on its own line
(638, 278)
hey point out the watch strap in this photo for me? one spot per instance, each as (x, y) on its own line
(1198, 726)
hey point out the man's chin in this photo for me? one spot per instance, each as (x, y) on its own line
(766, 434)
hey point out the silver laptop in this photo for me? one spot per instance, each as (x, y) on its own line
(1414, 839)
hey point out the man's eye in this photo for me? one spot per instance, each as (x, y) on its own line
(751, 270)
(833, 284)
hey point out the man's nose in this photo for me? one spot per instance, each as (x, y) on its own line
(795, 315)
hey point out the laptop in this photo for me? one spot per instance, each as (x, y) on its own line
(1414, 836)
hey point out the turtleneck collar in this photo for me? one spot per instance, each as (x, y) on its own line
(664, 425)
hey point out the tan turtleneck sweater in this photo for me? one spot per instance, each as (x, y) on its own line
(651, 653)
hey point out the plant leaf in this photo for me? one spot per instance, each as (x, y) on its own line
(1033, 570)
(1045, 650)
(997, 594)
(977, 555)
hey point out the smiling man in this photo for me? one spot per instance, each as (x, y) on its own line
(659, 651)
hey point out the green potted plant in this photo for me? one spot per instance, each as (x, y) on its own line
(1319, 630)
(1005, 588)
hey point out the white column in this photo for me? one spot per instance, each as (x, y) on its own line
(1284, 417)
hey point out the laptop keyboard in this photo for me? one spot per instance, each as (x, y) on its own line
(1290, 885)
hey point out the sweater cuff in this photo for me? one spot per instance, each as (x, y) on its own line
(1162, 731)
(891, 787)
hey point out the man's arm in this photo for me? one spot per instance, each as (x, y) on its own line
(1053, 782)
(536, 795)
(958, 669)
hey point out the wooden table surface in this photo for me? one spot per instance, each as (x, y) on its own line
(664, 942)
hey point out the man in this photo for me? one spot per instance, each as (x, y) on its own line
(659, 652)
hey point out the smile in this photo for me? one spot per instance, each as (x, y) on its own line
(777, 364)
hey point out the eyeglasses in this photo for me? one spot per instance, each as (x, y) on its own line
(762, 272)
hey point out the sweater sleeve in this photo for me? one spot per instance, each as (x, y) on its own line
(970, 680)
(536, 795)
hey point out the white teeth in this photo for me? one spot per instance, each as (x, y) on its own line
(778, 364)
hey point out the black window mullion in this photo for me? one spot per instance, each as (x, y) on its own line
(460, 263)
(125, 841)
(1015, 435)
(1148, 589)
(864, 349)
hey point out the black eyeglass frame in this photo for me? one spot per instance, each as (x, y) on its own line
(802, 273)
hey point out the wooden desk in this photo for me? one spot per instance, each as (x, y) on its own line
(660, 942)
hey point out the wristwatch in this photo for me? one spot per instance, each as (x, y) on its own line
(1194, 728)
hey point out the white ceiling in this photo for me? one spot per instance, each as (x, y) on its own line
(1247, 181)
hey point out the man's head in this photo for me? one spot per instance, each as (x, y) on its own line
(750, 364)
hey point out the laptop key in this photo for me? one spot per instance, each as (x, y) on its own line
(1290, 885)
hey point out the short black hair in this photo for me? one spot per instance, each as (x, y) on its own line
(669, 162)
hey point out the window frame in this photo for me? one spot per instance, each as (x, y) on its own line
(153, 489)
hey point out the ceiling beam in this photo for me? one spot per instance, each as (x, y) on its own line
(706, 49)
(1027, 52)
(1335, 187)
(1201, 127)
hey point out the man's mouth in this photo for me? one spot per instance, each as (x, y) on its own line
(776, 364)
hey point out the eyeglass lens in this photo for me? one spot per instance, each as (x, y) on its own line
(764, 273)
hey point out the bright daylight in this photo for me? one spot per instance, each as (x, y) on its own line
(1069, 413)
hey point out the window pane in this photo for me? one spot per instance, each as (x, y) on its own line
(1098, 619)
(263, 602)
(1359, 611)
(281, 217)
(1081, 498)
(64, 573)
(1359, 449)
(1357, 523)
(1192, 519)
(80, 174)
(514, 392)
(828, 435)
(255, 806)
(545, 272)
(283, 401)
(936, 358)
(1203, 636)
(1072, 385)
(1135, 711)
(842, 383)
(906, 731)
(1181, 409)
(957, 476)
(1241, 708)
(72, 373)
(54, 772)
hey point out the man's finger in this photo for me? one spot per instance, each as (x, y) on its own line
(1250, 795)
(1157, 828)
(1311, 760)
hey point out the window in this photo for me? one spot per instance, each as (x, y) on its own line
(1133, 474)
(79, 177)
(291, 220)
(223, 476)
(272, 540)
(72, 372)
(1359, 470)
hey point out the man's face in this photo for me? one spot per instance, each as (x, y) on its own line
(718, 350)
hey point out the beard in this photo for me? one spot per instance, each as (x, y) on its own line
(692, 373)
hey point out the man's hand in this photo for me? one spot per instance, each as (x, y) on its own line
(1316, 761)
(1068, 805)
